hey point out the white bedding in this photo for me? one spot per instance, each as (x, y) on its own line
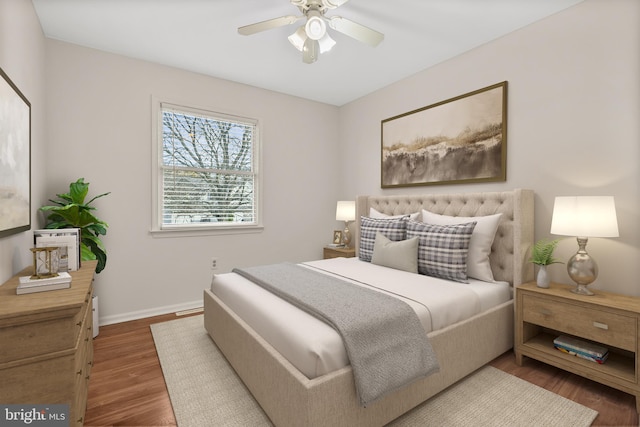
(314, 347)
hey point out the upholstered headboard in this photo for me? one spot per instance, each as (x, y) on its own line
(513, 239)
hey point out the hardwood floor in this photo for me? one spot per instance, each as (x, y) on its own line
(127, 387)
(614, 407)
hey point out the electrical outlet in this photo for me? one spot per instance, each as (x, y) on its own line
(214, 263)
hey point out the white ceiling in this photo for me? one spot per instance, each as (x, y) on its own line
(201, 36)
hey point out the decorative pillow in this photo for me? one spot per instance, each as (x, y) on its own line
(376, 214)
(395, 229)
(478, 265)
(402, 255)
(442, 249)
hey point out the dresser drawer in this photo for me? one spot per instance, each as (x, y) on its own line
(37, 335)
(586, 322)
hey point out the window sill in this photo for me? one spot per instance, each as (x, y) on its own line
(206, 231)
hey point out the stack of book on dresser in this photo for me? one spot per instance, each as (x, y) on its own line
(28, 285)
(583, 349)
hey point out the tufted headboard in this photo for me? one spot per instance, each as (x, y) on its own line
(514, 237)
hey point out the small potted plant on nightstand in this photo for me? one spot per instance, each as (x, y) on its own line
(542, 256)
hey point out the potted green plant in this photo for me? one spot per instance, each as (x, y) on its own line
(71, 211)
(542, 255)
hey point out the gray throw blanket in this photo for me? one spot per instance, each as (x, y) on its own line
(385, 342)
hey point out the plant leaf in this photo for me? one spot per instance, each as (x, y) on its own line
(78, 191)
(97, 197)
(542, 253)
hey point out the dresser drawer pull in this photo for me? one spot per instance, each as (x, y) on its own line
(601, 325)
(545, 312)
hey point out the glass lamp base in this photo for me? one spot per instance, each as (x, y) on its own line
(582, 290)
(346, 235)
(582, 268)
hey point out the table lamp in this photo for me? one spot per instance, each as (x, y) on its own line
(346, 211)
(584, 217)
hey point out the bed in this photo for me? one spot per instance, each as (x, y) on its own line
(293, 398)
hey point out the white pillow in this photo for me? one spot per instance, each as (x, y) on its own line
(478, 265)
(402, 255)
(379, 215)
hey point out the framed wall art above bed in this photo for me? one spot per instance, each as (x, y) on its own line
(15, 159)
(459, 140)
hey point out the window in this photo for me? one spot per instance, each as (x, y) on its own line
(207, 175)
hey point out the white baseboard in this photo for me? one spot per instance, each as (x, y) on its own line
(135, 315)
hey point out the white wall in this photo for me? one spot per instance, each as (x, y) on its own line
(573, 122)
(99, 128)
(22, 59)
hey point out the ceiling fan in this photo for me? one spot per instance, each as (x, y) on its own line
(312, 38)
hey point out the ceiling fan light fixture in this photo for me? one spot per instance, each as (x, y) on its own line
(315, 27)
(312, 38)
(298, 38)
(310, 51)
(326, 43)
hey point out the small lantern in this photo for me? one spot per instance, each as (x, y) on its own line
(45, 262)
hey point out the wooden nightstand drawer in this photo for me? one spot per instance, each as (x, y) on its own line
(590, 323)
(328, 252)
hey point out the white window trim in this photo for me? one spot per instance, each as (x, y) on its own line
(157, 230)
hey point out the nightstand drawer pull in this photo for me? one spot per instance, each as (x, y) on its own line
(545, 312)
(601, 325)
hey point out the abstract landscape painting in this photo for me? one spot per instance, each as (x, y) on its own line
(15, 161)
(459, 140)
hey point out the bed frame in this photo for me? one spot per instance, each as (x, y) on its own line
(291, 399)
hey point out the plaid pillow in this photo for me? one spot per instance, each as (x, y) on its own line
(393, 229)
(443, 249)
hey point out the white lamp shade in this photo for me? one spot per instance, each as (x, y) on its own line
(584, 216)
(346, 211)
(297, 39)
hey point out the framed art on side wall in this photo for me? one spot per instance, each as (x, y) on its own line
(15, 159)
(456, 141)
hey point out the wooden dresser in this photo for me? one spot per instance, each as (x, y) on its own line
(607, 319)
(46, 348)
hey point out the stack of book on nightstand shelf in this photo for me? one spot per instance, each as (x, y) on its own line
(583, 349)
(28, 285)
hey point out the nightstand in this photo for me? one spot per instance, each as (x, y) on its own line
(607, 319)
(330, 252)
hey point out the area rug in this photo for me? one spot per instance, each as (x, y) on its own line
(205, 391)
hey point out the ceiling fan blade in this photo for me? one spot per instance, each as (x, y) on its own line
(355, 30)
(247, 30)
